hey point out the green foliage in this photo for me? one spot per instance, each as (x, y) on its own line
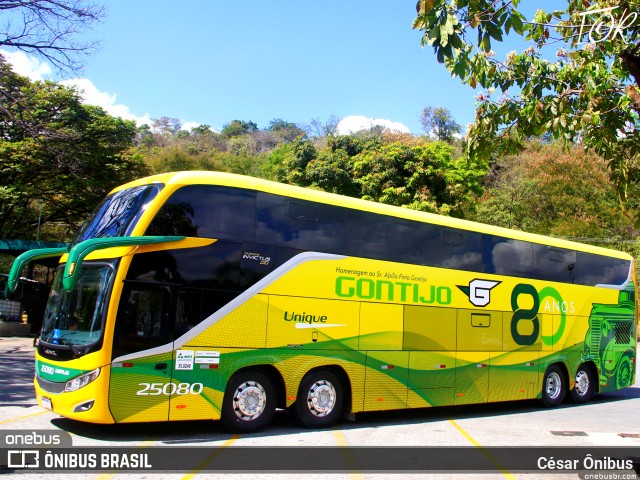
(548, 191)
(587, 93)
(421, 177)
(418, 175)
(240, 148)
(285, 131)
(274, 161)
(295, 161)
(55, 148)
(238, 127)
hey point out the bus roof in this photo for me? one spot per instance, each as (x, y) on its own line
(251, 183)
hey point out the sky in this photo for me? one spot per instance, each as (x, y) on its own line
(214, 61)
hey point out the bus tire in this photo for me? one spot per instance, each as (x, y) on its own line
(320, 400)
(553, 386)
(249, 402)
(583, 389)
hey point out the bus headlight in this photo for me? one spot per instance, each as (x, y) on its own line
(81, 381)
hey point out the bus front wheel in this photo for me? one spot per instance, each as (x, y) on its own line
(249, 402)
(320, 400)
(553, 387)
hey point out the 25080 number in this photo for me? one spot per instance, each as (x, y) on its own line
(170, 389)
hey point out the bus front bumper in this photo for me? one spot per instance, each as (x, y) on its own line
(87, 404)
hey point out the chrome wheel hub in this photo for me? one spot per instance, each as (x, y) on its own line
(582, 383)
(554, 385)
(249, 400)
(321, 398)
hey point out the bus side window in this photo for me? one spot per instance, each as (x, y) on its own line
(299, 224)
(143, 320)
(504, 256)
(457, 249)
(554, 264)
(593, 269)
(383, 238)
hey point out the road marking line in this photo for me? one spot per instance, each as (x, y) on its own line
(208, 460)
(350, 461)
(484, 451)
(23, 417)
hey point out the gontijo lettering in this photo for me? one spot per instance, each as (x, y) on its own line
(385, 290)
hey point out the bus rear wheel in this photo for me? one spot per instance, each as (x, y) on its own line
(249, 402)
(583, 389)
(320, 400)
(553, 387)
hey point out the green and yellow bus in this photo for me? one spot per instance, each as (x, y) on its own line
(205, 295)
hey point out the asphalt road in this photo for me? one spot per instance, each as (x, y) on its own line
(611, 420)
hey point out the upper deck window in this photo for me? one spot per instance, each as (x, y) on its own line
(279, 221)
(208, 211)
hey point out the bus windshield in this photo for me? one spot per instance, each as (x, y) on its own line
(76, 318)
(118, 213)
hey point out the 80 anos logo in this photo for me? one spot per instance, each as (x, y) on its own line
(527, 295)
(525, 304)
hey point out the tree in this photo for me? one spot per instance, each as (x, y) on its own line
(203, 129)
(292, 168)
(317, 128)
(55, 148)
(542, 190)
(439, 122)
(419, 175)
(589, 92)
(166, 126)
(422, 177)
(47, 28)
(238, 127)
(285, 131)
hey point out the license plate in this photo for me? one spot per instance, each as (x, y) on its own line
(46, 403)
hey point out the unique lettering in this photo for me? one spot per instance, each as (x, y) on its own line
(304, 317)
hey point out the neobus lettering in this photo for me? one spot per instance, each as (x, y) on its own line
(385, 290)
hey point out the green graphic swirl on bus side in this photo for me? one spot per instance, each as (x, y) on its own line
(531, 314)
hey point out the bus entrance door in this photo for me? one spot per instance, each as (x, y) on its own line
(141, 370)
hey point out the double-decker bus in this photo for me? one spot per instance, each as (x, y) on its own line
(205, 295)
